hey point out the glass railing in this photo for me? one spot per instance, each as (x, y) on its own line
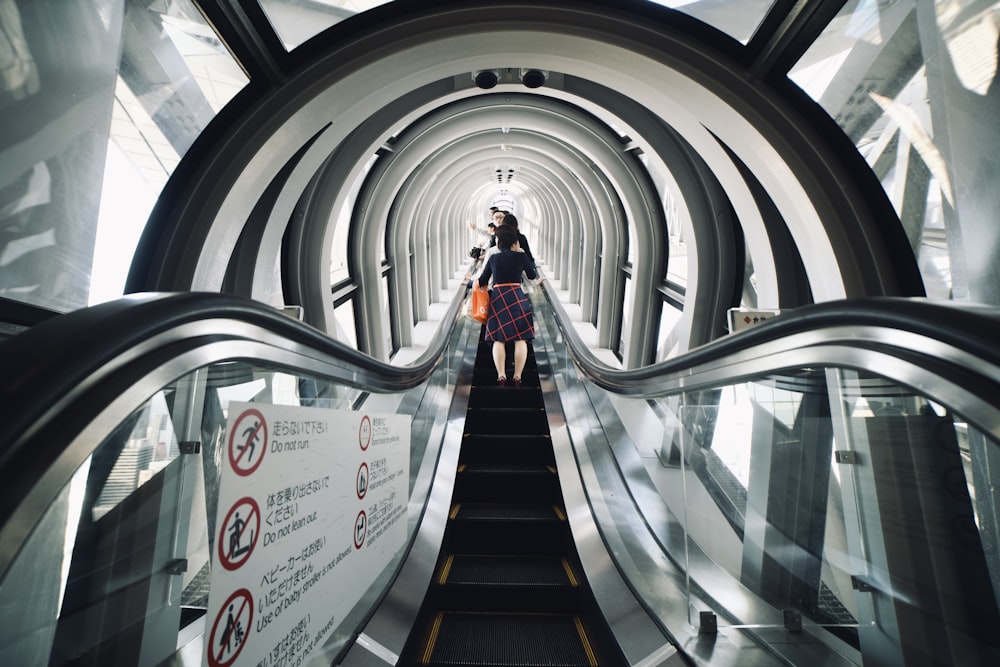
(845, 508)
(259, 500)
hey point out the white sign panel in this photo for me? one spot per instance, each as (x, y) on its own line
(740, 318)
(312, 507)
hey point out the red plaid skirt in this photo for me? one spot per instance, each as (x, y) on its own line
(511, 317)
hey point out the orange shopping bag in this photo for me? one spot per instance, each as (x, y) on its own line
(479, 303)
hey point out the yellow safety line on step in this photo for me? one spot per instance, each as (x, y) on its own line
(454, 511)
(569, 573)
(552, 469)
(591, 658)
(461, 468)
(432, 639)
(445, 570)
(559, 513)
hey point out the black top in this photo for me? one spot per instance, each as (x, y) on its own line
(506, 267)
(523, 242)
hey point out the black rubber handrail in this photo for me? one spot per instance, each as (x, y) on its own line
(60, 375)
(67, 350)
(23, 315)
(863, 324)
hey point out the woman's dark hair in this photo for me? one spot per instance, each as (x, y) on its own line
(506, 237)
(510, 220)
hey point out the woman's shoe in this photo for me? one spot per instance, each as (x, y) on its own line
(502, 381)
(517, 382)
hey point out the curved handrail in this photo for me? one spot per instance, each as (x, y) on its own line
(76, 368)
(19, 315)
(947, 340)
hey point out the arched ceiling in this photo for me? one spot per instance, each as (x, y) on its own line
(624, 80)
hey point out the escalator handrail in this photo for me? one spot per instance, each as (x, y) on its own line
(45, 362)
(61, 374)
(23, 315)
(965, 332)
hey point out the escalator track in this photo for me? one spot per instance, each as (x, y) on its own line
(508, 587)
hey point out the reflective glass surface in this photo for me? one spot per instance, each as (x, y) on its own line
(739, 19)
(100, 100)
(913, 84)
(296, 21)
(823, 510)
(119, 569)
(843, 497)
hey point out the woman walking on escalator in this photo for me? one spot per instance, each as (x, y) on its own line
(511, 317)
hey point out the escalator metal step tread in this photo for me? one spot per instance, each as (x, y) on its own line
(506, 512)
(507, 469)
(500, 439)
(551, 640)
(509, 571)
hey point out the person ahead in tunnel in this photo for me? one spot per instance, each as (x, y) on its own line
(510, 221)
(511, 317)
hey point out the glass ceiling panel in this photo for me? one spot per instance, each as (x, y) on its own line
(296, 21)
(737, 18)
(910, 83)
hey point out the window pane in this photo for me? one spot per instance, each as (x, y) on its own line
(738, 19)
(296, 21)
(677, 266)
(346, 328)
(100, 100)
(909, 82)
(669, 340)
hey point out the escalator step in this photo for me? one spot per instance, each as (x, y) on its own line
(508, 571)
(510, 397)
(507, 469)
(487, 377)
(495, 640)
(507, 420)
(499, 483)
(506, 512)
(507, 449)
(506, 439)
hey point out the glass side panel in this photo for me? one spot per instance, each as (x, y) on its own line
(913, 85)
(823, 510)
(119, 570)
(100, 100)
(296, 21)
(830, 499)
(737, 18)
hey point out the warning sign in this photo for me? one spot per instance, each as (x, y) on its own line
(247, 442)
(360, 529)
(311, 509)
(231, 629)
(362, 481)
(365, 432)
(239, 535)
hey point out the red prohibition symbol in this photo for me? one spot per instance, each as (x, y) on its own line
(365, 432)
(360, 529)
(231, 629)
(238, 535)
(362, 481)
(247, 442)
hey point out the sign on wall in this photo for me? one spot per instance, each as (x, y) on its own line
(743, 318)
(312, 508)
